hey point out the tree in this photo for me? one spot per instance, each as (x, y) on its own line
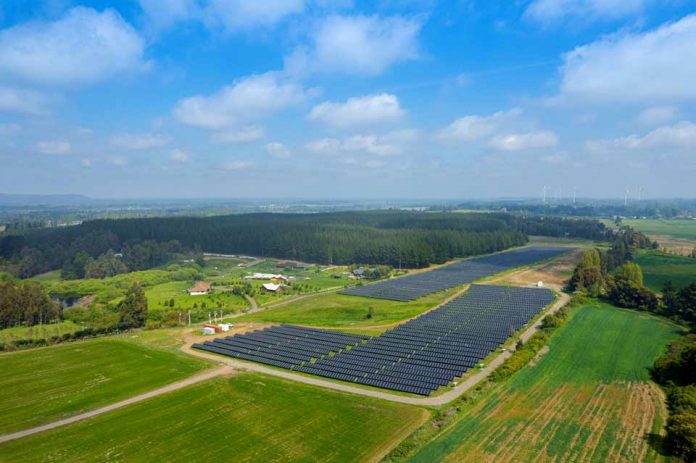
(632, 273)
(370, 313)
(133, 308)
(681, 435)
(106, 265)
(669, 297)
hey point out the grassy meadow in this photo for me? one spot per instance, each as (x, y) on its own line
(38, 331)
(248, 417)
(42, 385)
(588, 398)
(685, 229)
(658, 268)
(341, 310)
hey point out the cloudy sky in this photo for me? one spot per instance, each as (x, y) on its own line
(348, 99)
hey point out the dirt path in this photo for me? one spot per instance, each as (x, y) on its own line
(206, 375)
(345, 387)
(252, 302)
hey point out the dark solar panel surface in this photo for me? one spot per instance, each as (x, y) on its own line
(418, 356)
(414, 286)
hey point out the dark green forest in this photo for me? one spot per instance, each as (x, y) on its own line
(405, 239)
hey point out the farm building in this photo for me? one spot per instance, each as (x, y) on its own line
(272, 287)
(199, 289)
(266, 276)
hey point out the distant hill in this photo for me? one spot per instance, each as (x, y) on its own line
(44, 200)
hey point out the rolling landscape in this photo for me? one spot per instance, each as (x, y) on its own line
(307, 231)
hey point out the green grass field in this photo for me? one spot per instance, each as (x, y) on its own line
(43, 385)
(38, 331)
(248, 417)
(685, 229)
(340, 310)
(587, 399)
(658, 268)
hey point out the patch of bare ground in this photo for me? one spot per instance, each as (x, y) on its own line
(681, 246)
(553, 273)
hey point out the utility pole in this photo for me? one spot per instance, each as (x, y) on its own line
(574, 191)
(189, 314)
(544, 194)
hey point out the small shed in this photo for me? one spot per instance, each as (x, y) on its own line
(208, 330)
(272, 287)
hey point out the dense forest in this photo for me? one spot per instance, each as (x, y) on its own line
(398, 238)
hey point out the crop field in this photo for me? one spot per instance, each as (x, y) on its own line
(247, 417)
(338, 310)
(43, 385)
(658, 268)
(685, 229)
(588, 398)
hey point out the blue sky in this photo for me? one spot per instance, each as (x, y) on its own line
(342, 99)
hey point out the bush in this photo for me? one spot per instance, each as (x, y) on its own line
(681, 435)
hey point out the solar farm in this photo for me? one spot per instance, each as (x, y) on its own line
(411, 287)
(417, 357)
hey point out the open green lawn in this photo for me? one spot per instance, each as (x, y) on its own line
(658, 268)
(588, 398)
(340, 310)
(685, 229)
(158, 295)
(248, 417)
(38, 331)
(42, 385)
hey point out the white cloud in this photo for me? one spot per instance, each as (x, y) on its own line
(247, 99)
(657, 115)
(53, 147)
(678, 136)
(142, 141)
(246, 14)
(657, 65)
(227, 15)
(548, 11)
(242, 135)
(86, 162)
(388, 144)
(84, 46)
(277, 150)
(361, 45)
(369, 110)
(524, 141)
(180, 155)
(473, 127)
(237, 165)
(22, 101)
(119, 161)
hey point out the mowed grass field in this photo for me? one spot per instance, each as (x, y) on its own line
(341, 310)
(38, 331)
(588, 398)
(658, 268)
(42, 385)
(248, 417)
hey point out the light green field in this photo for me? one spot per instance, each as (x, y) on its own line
(37, 331)
(42, 385)
(340, 310)
(658, 268)
(249, 417)
(685, 229)
(588, 398)
(158, 295)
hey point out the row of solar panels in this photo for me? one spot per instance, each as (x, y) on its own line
(418, 356)
(414, 286)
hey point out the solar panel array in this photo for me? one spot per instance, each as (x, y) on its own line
(414, 286)
(418, 356)
(284, 346)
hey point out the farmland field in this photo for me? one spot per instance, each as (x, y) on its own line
(588, 398)
(248, 417)
(658, 268)
(42, 385)
(340, 310)
(677, 228)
